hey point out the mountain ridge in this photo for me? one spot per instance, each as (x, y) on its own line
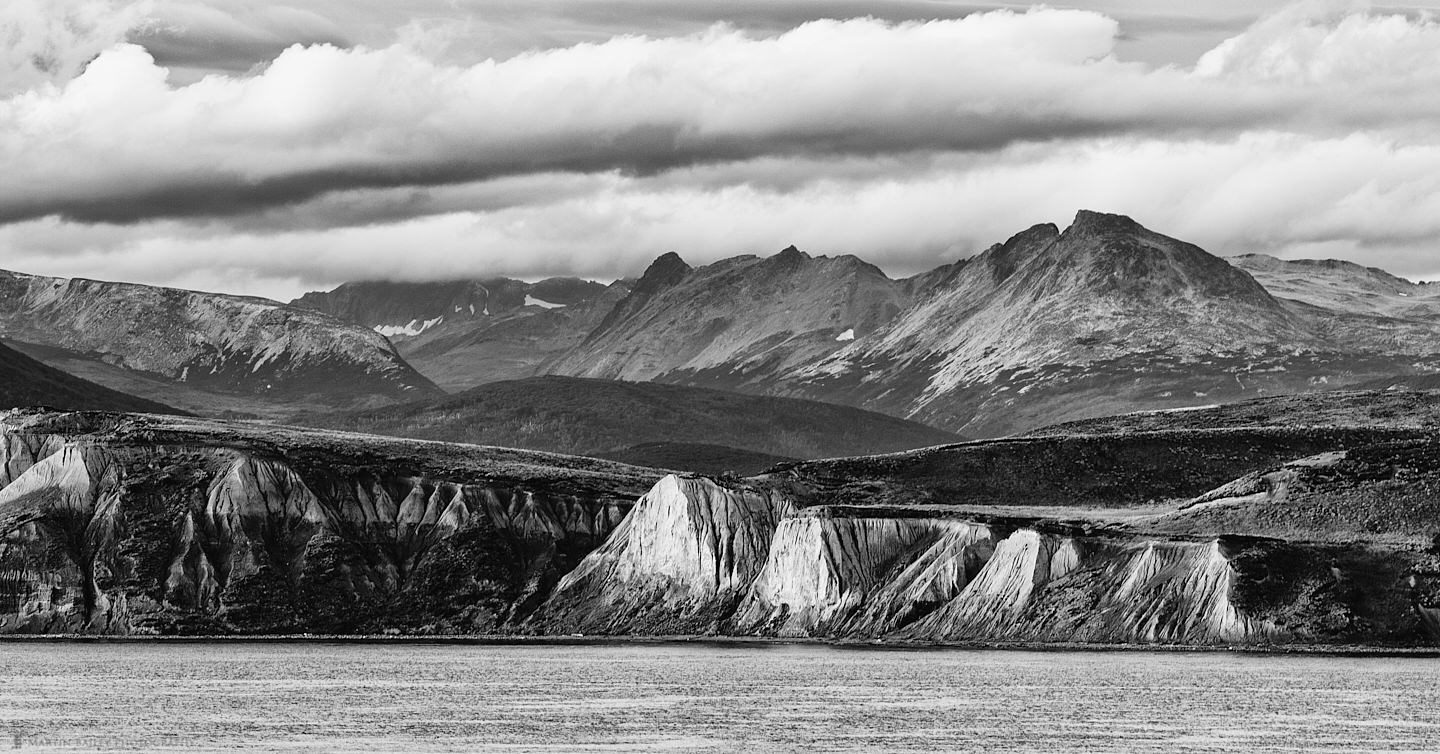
(240, 346)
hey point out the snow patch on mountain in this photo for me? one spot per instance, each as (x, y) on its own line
(532, 301)
(415, 327)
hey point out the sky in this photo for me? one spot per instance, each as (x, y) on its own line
(273, 148)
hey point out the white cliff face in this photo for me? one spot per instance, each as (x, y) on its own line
(820, 569)
(1154, 592)
(19, 450)
(1180, 592)
(936, 576)
(991, 603)
(686, 544)
(907, 578)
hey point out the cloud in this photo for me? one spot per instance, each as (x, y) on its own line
(1361, 197)
(46, 41)
(907, 143)
(232, 38)
(120, 144)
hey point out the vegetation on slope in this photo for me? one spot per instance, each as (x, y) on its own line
(27, 382)
(1349, 408)
(586, 416)
(699, 457)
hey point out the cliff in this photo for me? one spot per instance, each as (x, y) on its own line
(126, 524)
(131, 524)
(688, 561)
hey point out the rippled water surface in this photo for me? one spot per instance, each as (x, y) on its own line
(416, 697)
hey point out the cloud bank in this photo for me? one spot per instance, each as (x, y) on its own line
(909, 143)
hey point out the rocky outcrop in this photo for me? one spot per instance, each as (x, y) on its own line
(688, 561)
(679, 561)
(1044, 587)
(141, 525)
(822, 570)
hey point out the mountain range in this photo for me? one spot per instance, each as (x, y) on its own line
(1052, 325)
(202, 351)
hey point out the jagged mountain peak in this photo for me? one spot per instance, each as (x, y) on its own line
(1116, 257)
(1090, 221)
(667, 270)
(735, 318)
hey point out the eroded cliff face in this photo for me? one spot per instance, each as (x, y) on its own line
(143, 524)
(99, 533)
(689, 560)
(679, 561)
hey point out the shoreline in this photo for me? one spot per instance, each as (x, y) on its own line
(1319, 650)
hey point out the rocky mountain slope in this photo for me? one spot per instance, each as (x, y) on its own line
(601, 417)
(27, 382)
(471, 332)
(735, 323)
(1343, 286)
(1248, 536)
(261, 353)
(1106, 316)
(404, 309)
(1101, 318)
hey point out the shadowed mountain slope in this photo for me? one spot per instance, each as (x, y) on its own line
(574, 415)
(27, 382)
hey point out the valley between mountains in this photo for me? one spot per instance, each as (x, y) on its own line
(1095, 434)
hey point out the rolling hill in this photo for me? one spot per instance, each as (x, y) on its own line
(26, 382)
(586, 416)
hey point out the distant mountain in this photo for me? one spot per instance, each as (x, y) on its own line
(1343, 286)
(466, 333)
(599, 417)
(738, 322)
(1103, 318)
(406, 309)
(258, 353)
(26, 382)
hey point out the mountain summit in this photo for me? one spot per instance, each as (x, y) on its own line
(737, 322)
(1105, 316)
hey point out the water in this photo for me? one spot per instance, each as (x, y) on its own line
(318, 697)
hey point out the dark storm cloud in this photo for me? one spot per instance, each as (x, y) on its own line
(174, 47)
